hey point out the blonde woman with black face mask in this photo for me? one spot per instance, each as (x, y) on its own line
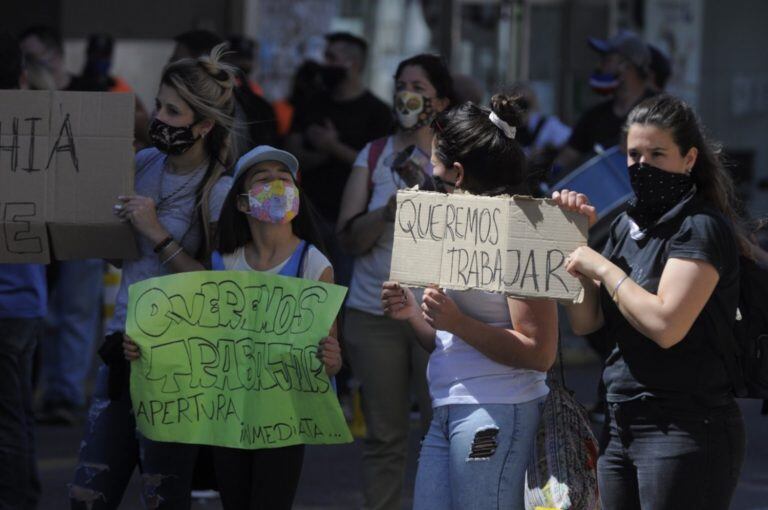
(180, 189)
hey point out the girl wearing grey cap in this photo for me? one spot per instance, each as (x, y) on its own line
(266, 225)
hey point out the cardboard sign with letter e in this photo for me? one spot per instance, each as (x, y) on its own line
(64, 159)
(516, 245)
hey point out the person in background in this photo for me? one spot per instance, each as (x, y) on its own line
(22, 310)
(621, 74)
(255, 122)
(96, 77)
(180, 187)
(660, 69)
(489, 353)
(664, 288)
(242, 53)
(541, 136)
(539, 131)
(74, 304)
(306, 87)
(384, 354)
(98, 63)
(328, 133)
(42, 46)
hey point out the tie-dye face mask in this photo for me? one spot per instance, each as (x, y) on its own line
(274, 201)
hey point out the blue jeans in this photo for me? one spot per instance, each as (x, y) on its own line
(74, 312)
(475, 456)
(112, 448)
(667, 456)
(19, 484)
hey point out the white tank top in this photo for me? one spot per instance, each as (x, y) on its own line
(460, 374)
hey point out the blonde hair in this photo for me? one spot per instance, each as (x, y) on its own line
(207, 84)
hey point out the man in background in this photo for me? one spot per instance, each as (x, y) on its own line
(328, 132)
(623, 75)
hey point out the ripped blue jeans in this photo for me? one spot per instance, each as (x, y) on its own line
(475, 456)
(112, 448)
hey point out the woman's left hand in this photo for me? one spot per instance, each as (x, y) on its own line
(440, 311)
(586, 262)
(329, 352)
(142, 214)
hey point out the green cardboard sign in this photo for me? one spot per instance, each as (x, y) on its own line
(228, 358)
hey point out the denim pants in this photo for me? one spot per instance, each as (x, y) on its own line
(664, 456)
(19, 483)
(112, 448)
(475, 456)
(74, 312)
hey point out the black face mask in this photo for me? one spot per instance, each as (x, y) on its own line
(656, 192)
(331, 76)
(170, 139)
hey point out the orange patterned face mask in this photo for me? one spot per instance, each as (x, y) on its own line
(274, 201)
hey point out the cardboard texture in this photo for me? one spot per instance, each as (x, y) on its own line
(516, 245)
(64, 159)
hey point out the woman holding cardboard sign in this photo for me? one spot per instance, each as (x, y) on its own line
(489, 352)
(382, 352)
(180, 188)
(667, 276)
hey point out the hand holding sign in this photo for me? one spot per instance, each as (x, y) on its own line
(398, 302)
(585, 262)
(329, 352)
(440, 311)
(142, 214)
(576, 202)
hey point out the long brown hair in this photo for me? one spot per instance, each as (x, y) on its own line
(713, 182)
(207, 85)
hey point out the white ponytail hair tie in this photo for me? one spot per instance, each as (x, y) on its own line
(509, 131)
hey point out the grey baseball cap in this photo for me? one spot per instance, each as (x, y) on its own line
(266, 153)
(627, 44)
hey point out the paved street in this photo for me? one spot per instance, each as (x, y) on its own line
(331, 476)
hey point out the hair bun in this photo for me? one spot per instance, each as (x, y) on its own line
(509, 108)
(216, 68)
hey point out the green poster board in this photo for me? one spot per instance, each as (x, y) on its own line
(228, 358)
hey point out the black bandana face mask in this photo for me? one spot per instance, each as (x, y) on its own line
(656, 192)
(170, 139)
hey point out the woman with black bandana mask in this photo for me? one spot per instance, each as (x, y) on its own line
(381, 351)
(674, 435)
(180, 187)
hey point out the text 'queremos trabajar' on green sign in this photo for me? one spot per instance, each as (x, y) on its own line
(228, 358)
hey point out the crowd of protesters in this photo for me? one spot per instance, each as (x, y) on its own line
(474, 363)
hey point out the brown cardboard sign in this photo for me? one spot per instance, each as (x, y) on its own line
(64, 159)
(516, 245)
